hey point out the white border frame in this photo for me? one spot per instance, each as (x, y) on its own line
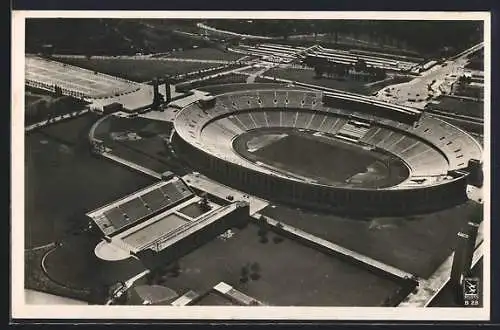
(24, 311)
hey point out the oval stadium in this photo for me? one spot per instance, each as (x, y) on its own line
(332, 151)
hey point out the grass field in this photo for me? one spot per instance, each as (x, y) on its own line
(416, 244)
(325, 161)
(227, 88)
(227, 79)
(28, 99)
(63, 180)
(459, 106)
(308, 77)
(35, 278)
(467, 125)
(315, 159)
(150, 151)
(75, 264)
(205, 54)
(287, 273)
(138, 70)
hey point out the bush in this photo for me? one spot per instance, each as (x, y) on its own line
(262, 231)
(255, 276)
(278, 239)
(255, 267)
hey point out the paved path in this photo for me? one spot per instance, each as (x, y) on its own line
(201, 182)
(134, 166)
(252, 76)
(218, 74)
(56, 119)
(225, 32)
(434, 82)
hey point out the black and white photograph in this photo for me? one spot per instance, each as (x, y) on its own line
(272, 165)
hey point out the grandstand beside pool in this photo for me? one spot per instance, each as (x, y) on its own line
(162, 215)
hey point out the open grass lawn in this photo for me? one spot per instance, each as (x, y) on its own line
(327, 162)
(279, 272)
(416, 244)
(308, 77)
(138, 70)
(75, 264)
(64, 181)
(459, 106)
(150, 151)
(28, 99)
(35, 278)
(235, 87)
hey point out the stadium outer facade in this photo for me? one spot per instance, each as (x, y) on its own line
(438, 154)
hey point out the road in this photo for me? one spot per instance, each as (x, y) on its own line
(433, 82)
(142, 58)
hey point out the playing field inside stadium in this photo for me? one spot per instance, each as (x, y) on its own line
(328, 160)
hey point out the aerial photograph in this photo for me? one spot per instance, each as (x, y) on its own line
(254, 162)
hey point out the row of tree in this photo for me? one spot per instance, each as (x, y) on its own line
(332, 69)
(102, 37)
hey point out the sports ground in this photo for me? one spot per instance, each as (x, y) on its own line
(326, 160)
(289, 273)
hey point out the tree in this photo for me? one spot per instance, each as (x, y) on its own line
(255, 267)
(318, 71)
(277, 239)
(360, 65)
(204, 204)
(244, 271)
(255, 276)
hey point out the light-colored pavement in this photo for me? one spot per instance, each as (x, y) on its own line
(252, 76)
(56, 119)
(225, 32)
(433, 83)
(32, 297)
(201, 182)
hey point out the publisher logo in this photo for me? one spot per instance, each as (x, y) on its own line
(470, 288)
